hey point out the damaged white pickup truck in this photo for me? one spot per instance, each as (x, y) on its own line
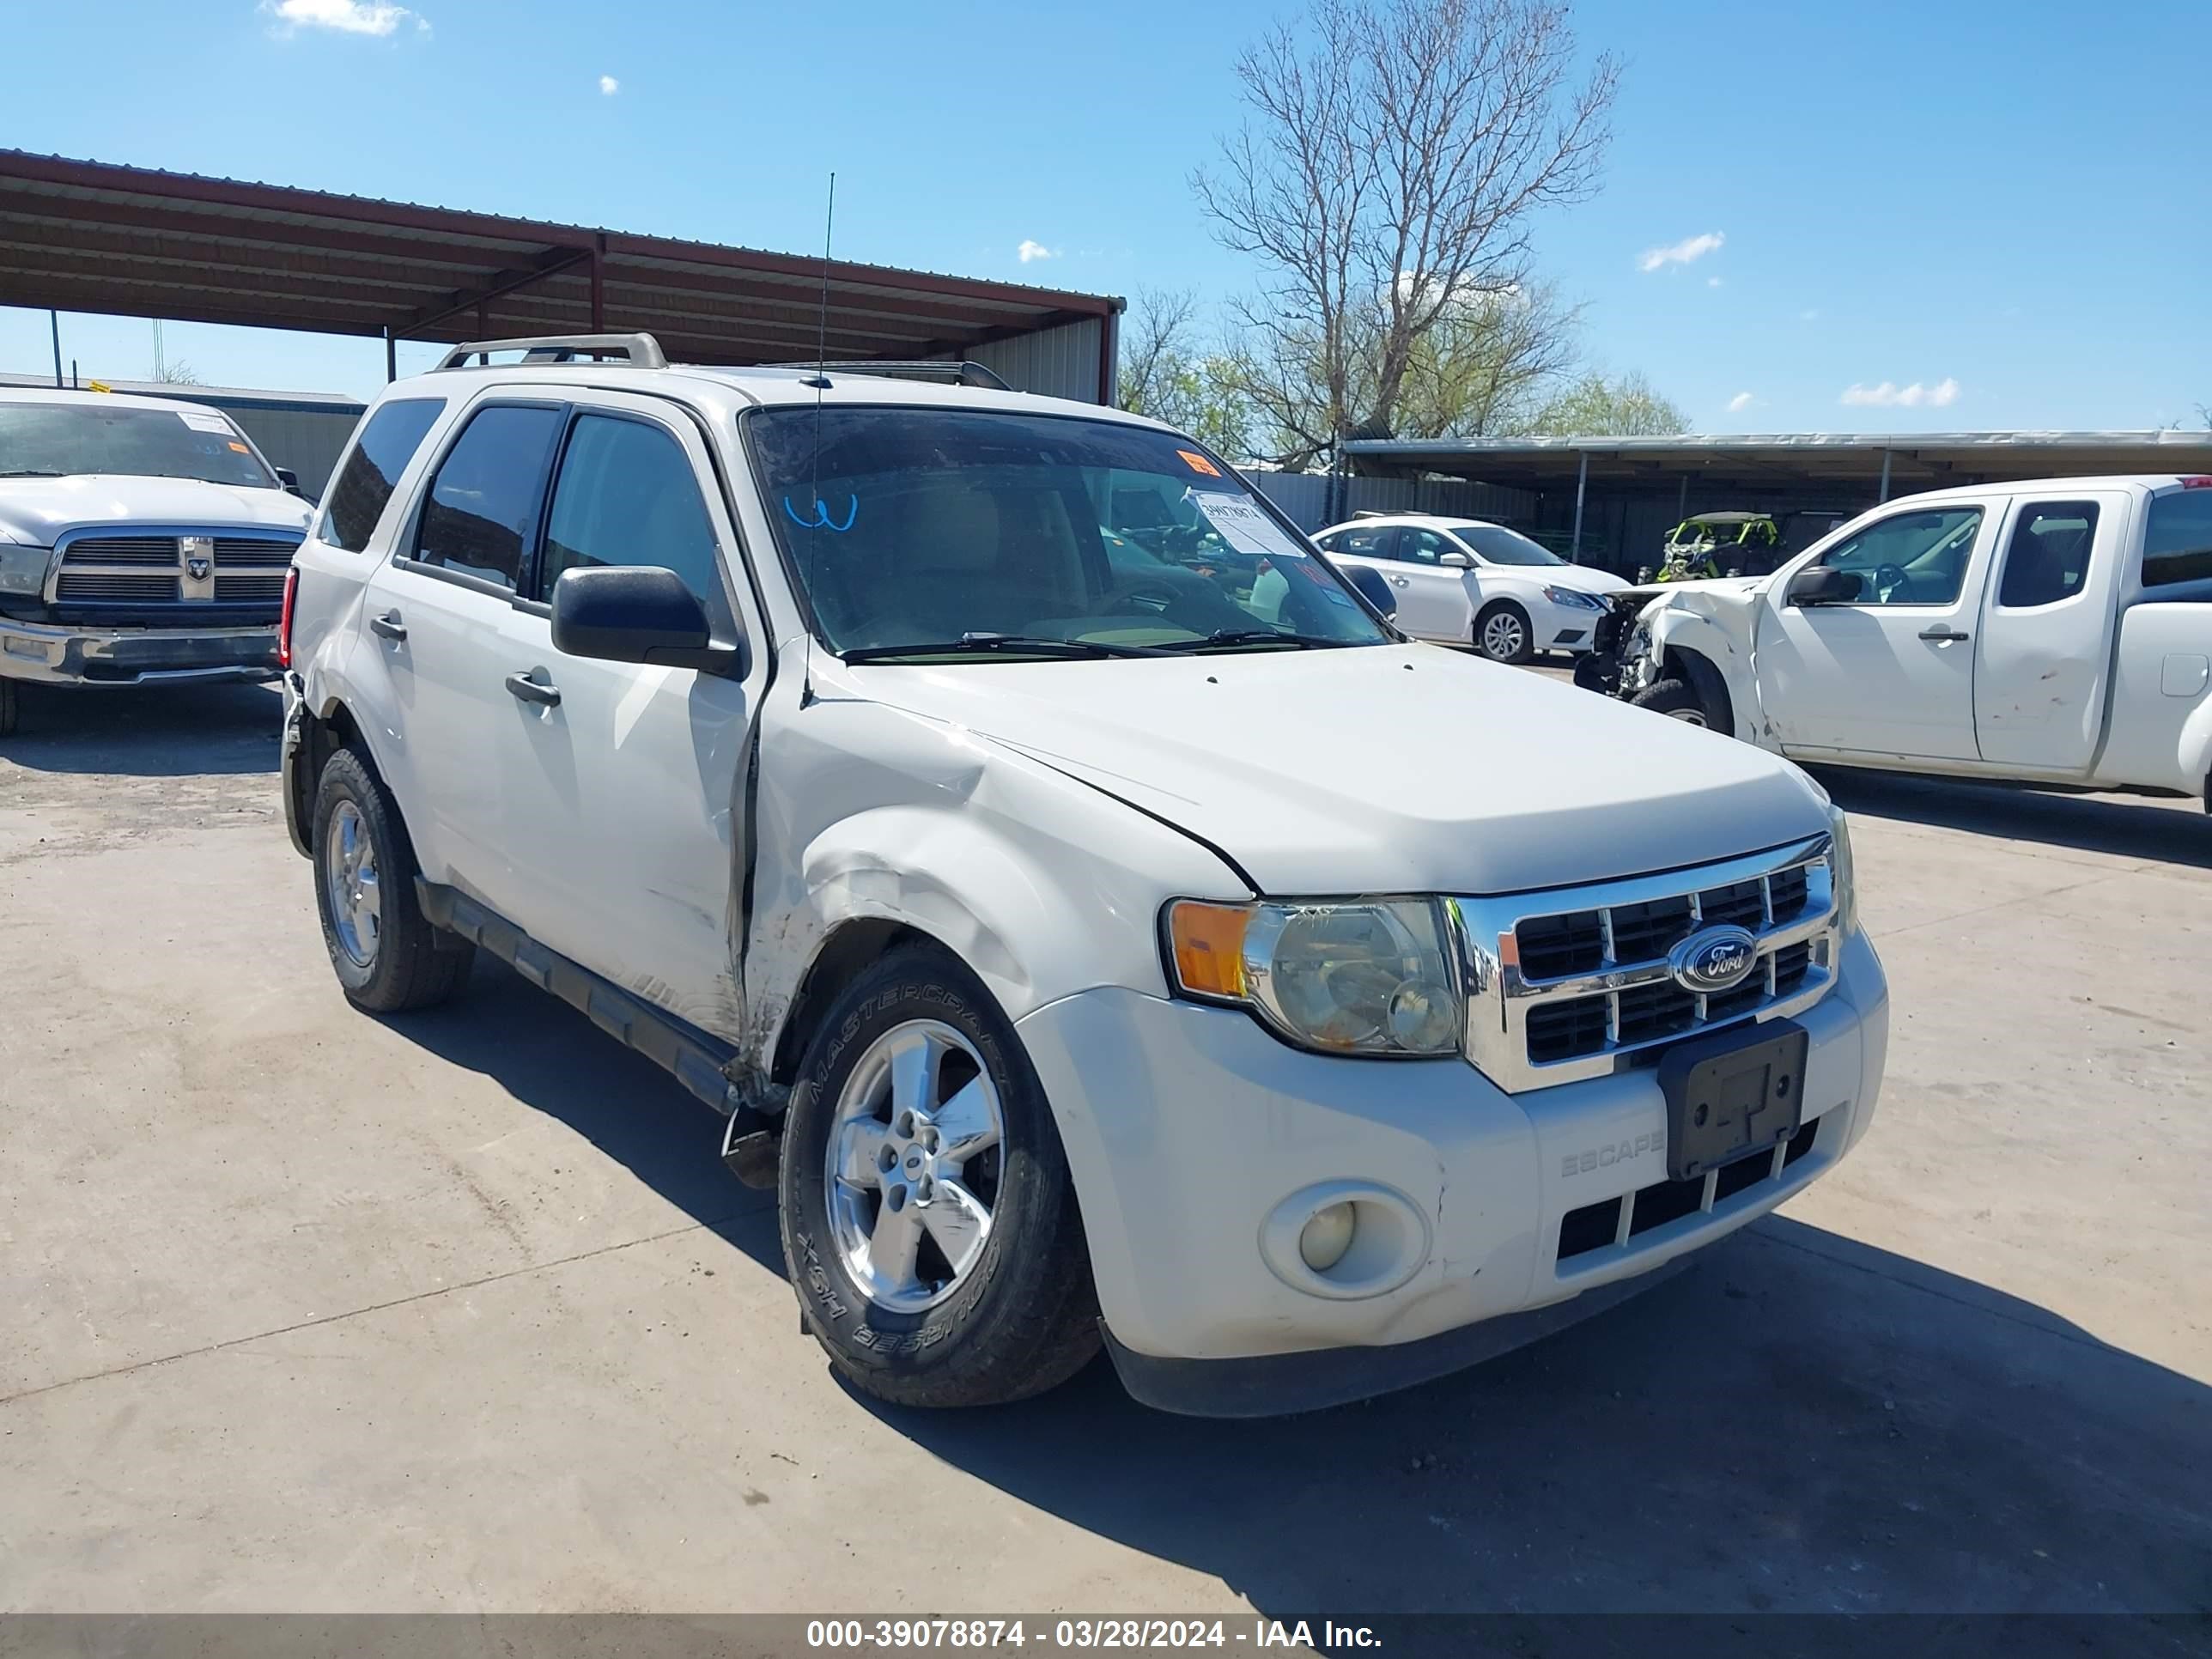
(2055, 630)
(1013, 826)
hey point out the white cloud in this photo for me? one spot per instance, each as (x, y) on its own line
(1889, 395)
(1029, 251)
(1809, 316)
(1738, 403)
(1682, 252)
(1712, 282)
(608, 85)
(378, 17)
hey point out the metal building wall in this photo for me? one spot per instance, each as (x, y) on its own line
(307, 442)
(1304, 497)
(1054, 362)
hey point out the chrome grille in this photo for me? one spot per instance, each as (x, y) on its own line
(153, 570)
(1572, 983)
(122, 549)
(248, 590)
(243, 553)
(111, 587)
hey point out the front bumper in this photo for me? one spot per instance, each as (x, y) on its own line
(1198, 1143)
(60, 655)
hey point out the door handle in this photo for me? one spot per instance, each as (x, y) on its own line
(1941, 635)
(1398, 581)
(530, 691)
(387, 626)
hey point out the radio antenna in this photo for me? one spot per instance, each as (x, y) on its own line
(820, 379)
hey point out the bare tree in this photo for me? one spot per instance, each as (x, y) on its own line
(1157, 335)
(1397, 154)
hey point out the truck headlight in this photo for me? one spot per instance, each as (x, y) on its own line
(1841, 870)
(1352, 976)
(23, 570)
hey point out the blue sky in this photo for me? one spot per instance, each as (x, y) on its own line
(1979, 215)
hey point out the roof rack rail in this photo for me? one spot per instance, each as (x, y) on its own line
(950, 373)
(639, 351)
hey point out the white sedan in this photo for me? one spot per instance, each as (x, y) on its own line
(1462, 582)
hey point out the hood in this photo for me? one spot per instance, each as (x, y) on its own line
(33, 511)
(1703, 585)
(1588, 578)
(1375, 769)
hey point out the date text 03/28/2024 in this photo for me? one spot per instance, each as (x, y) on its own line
(1017, 1632)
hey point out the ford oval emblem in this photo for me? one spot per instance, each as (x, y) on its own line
(1713, 959)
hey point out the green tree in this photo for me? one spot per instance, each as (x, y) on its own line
(1609, 406)
(1165, 373)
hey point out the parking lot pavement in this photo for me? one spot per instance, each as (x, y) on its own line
(303, 1310)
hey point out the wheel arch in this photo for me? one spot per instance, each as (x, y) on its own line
(1687, 663)
(845, 952)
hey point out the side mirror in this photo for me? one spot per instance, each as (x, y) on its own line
(1454, 560)
(1372, 588)
(288, 478)
(1818, 584)
(638, 613)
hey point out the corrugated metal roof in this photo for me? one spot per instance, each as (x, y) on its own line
(90, 236)
(1910, 459)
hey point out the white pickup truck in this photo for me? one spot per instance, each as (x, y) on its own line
(2058, 630)
(1082, 942)
(142, 542)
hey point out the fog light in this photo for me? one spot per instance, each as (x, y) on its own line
(1324, 1239)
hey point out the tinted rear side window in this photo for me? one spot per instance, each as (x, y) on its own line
(388, 441)
(2178, 544)
(481, 516)
(2049, 558)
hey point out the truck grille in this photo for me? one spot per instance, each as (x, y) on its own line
(1572, 984)
(154, 572)
(122, 549)
(112, 587)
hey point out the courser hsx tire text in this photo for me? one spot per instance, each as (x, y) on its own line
(386, 956)
(915, 1079)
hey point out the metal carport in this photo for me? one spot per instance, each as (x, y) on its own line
(132, 241)
(1634, 488)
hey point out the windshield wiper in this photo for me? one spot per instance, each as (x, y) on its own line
(1014, 645)
(31, 472)
(1230, 637)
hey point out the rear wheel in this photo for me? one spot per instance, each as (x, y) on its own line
(929, 1223)
(1503, 634)
(1676, 699)
(386, 956)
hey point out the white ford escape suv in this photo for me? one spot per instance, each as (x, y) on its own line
(1086, 945)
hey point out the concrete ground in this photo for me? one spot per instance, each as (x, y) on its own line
(303, 1310)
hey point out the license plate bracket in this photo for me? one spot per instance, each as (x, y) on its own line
(1732, 1094)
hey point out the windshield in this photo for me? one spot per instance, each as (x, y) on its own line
(932, 527)
(61, 440)
(1502, 546)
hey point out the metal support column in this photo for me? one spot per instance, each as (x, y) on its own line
(391, 358)
(1884, 478)
(1682, 506)
(1582, 483)
(599, 286)
(55, 317)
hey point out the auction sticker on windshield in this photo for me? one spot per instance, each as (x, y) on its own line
(200, 423)
(1240, 522)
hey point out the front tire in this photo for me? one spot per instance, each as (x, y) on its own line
(387, 957)
(1502, 633)
(929, 1220)
(1677, 700)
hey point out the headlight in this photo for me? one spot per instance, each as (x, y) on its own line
(23, 570)
(1840, 865)
(1574, 597)
(1354, 976)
